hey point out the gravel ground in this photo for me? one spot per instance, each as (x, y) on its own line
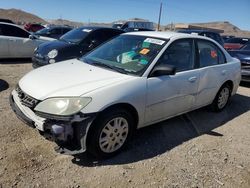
(198, 149)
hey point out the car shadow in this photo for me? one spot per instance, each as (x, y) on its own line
(159, 138)
(3, 85)
(15, 61)
(245, 84)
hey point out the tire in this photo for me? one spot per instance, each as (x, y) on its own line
(109, 133)
(221, 99)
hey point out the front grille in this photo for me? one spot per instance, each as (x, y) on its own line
(25, 99)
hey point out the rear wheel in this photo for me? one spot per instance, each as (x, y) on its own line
(221, 98)
(110, 133)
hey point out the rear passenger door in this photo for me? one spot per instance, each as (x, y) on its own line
(4, 43)
(213, 71)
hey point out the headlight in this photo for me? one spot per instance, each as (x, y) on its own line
(63, 106)
(53, 53)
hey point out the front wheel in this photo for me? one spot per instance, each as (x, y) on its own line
(221, 98)
(110, 133)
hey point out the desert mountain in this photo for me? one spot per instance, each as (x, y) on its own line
(19, 16)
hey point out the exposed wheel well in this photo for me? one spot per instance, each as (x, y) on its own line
(230, 84)
(126, 106)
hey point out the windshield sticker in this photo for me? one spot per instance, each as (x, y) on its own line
(143, 61)
(144, 51)
(154, 41)
(87, 30)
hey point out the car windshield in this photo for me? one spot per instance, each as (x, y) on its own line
(75, 35)
(129, 54)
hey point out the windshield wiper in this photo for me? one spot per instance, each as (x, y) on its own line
(117, 69)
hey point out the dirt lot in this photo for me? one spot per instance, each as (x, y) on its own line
(199, 149)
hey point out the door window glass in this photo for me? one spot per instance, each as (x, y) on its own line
(180, 55)
(9, 30)
(209, 54)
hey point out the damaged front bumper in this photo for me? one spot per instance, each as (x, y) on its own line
(69, 132)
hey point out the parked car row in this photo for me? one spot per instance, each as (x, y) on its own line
(96, 102)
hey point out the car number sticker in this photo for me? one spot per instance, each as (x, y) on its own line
(87, 30)
(154, 41)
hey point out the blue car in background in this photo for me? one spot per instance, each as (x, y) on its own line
(243, 54)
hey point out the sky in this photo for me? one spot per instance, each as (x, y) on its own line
(177, 11)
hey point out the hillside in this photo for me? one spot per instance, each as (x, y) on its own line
(77, 24)
(20, 17)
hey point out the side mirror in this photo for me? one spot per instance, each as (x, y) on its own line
(48, 33)
(33, 37)
(162, 70)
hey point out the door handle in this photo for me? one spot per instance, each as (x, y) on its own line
(223, 72)
(192, 79)
(12, 40)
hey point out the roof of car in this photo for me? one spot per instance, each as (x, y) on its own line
(196, 31)
(96, 28)
(58, 26)
(164, 35)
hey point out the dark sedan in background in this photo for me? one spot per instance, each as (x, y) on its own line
(73, 44)
(243, 54)
(202, 32)
(53, 31)
(235, 43)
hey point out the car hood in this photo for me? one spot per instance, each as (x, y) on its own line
(46, 47)
(68, 78)
(240, 54)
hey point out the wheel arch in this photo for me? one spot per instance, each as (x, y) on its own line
(230, 84)
(131, 109)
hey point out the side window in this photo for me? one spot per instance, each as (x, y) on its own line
(209, 54)
(65, 30)
(108, 34)
(98, 37)
(179, 54)
(9, 30)
(55, 31)
(1, 29)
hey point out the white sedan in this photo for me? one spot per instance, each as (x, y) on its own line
(137, 79)
(16, 42)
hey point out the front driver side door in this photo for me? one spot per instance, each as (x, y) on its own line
(171, 95)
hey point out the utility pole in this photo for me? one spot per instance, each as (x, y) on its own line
(159, 20)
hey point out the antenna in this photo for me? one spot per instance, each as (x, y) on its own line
(159, 20)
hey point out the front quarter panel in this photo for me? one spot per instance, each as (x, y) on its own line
(132, 91)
